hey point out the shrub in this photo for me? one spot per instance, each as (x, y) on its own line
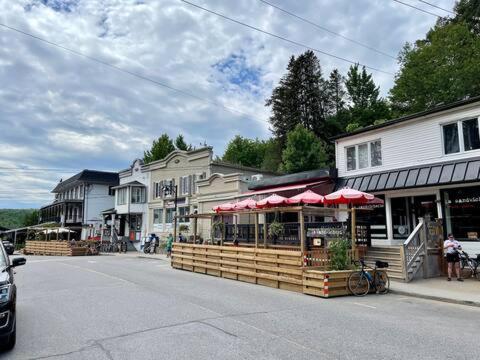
(339, 255)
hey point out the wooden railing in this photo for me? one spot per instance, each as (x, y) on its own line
(320, 259)
(414, 250)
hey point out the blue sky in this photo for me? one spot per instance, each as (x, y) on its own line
(60, 113)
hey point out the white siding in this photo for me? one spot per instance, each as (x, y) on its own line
(410, 143)
(97, 200)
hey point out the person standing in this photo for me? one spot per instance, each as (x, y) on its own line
(169, 245)
(451, 247)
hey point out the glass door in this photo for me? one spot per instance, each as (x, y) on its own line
(424, 206)
(401, 220)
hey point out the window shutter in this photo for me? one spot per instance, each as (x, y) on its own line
(194, 181)
(190, 184)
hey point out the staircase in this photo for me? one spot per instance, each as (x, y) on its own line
(390, 254)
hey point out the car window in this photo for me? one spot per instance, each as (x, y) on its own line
(3, 259)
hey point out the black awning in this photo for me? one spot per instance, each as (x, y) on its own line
(452, 172)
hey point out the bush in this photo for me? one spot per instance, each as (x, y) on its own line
(339, 255)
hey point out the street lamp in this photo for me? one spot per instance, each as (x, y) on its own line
(169, 190)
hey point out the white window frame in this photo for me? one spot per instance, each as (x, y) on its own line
(357, 155)
(122, 196)
(461, 141)
(134, 190)
(161, 217)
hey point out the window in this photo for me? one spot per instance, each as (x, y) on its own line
(169, 216)
(185, 185)
(471, 136)
(364, 155)
(460, 136)
(138, 195)
(158, 216)
(182, 211)
(122, 196)
(351, 158)
(450, 138)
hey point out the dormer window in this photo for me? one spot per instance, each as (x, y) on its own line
(461, 136)
(364, 155)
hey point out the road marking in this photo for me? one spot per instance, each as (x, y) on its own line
(365, 305)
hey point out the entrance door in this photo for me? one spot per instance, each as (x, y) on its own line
(424, 206)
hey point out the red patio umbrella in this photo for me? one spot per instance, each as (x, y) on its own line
(348, 196)
(224, 207)
(245, 204)
(272, 200)
(307, 197)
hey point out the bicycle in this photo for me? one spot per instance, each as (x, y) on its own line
(360, 282)
(469, 264)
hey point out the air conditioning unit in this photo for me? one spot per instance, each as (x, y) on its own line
(257, 177)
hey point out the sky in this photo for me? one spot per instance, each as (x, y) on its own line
(61, 113)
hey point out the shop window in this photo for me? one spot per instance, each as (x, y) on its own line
(169, 216)
(158, 216)
(461, 136)
(462, 212)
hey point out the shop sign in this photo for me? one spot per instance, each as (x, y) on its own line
(328, 230)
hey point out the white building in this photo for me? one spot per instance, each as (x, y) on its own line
(425, 164)
(80, 200)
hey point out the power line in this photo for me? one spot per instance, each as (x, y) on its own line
(436, 6)
(131, 73)
(284, 38)
(328, 30)
(417, 8)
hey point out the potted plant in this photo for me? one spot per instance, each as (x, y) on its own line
(275, 229)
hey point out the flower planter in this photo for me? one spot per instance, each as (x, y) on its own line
(326, 284)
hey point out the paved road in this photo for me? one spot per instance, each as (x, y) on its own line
(119, 307)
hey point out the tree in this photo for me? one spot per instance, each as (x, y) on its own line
(244, 151)
(336, 92)
(160, 149)
(180, 143)
(365, 105)
(272, 157)
(468, 12)
(442, 68)
(31, 218)
(300, 98)
(303, 151)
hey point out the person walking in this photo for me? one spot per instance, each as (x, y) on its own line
(169, 245)
(451, 247)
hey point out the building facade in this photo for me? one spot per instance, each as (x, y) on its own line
(80, 200)
(426, 164)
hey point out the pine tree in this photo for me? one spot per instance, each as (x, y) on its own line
(160, 149)
(180, 144)
(336, 92)
(300, 98)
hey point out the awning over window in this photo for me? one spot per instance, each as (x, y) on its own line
(452, 172)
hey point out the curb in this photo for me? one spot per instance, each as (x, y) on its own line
(436, 298)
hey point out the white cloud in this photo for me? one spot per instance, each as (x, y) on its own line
(60, 110)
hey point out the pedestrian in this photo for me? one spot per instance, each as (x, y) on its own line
(451, 247)
(180, 238)
(169, 245)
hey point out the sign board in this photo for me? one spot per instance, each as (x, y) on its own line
(329, 230)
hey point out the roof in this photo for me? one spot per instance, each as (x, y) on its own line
(88, 176)
(285, 188)
(431, 111)
(131, 183)
(297, 178)
(241, 167)
(451, 172)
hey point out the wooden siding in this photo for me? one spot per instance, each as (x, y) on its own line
(410, 143)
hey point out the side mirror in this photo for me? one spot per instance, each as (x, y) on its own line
(19, 261)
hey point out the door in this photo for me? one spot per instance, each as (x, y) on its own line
(424, 206)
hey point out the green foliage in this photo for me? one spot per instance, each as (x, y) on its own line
(272, 155)
(468, 12)
(338, 251)
(244, 151)
(301, 97)
(160, 149)
(304, 151)
(352, 127)
(16, 218)
(183, 228)
(275, 229)
(180, 144)
(440, 69)
(217, 226)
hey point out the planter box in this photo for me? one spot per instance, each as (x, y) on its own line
(326, 283)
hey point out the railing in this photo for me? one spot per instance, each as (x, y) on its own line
(413, 250)
(321, 258)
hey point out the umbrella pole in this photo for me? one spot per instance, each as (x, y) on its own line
(256, 230)
(354, 233)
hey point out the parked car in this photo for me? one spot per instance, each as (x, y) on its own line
(9, 248)
(8, 299)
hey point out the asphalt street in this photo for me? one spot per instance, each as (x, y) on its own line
(123, 307)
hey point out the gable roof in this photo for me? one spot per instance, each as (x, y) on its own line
(420, 114)
(88, 176)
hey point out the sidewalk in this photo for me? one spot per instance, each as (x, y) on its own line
(135, 254)
(465, 293)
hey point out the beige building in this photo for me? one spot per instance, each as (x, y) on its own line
(186, 171)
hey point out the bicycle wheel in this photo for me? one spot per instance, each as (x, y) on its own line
(358, 283)
(382, 281)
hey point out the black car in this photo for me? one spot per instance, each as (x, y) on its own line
(8, 299)
(9, 248)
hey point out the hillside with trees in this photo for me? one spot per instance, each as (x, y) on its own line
(15, 218)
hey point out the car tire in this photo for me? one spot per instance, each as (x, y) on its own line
(12, 338)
